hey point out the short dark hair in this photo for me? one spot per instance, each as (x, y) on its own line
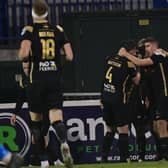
(129, 44)
(40, 7)
(151, 39)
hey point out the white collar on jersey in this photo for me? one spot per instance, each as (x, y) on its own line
(35, 16)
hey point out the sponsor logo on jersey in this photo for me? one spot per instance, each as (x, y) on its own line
(47, 66)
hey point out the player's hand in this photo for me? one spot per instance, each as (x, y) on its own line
(162, 52)
(13, 120)
(122, 52)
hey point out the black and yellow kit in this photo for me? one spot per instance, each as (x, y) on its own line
(45, 74)
(159, 85)
(46, 42)
(116, 89)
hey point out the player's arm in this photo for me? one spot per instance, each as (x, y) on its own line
(162, 52)
(136, 79)
(135, 60)
(66, 44)
(25, 46)
(24, 50)
(68, 52)
(25, 66)
(134, 73)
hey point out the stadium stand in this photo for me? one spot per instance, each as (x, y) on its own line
(16, 13)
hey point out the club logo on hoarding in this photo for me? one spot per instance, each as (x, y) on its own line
(15, 138)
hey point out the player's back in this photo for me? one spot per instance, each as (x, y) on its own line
(116, 76)
(158, 72)
(45, 51)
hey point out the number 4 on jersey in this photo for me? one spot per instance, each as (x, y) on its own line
(109, 74)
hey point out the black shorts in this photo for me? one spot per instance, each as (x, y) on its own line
(115, 114)
(163, 108)
(45, 94)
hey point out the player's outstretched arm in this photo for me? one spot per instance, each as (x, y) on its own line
(137, 61)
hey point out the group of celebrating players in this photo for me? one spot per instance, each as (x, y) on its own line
(134, 90)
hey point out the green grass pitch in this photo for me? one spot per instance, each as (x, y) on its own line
(159, 164)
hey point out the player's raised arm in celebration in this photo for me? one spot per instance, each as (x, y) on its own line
(155, 55)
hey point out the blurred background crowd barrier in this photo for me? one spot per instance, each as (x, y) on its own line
(95, 29)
